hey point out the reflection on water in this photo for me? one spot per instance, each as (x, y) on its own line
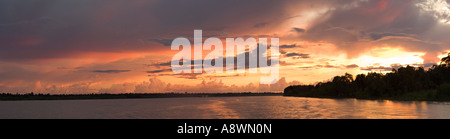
(254, 107)
(217, 109)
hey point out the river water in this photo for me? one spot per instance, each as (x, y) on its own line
(243, 107)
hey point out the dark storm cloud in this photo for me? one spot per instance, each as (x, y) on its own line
(374, 23)
(301, 55)
(299, 30)
(351, 66)
(159, 71)
(165, 42)
(289, 46)
(259, 25)
(377, 36)
(111, 71)
(275, 19)
(237, 64)
(327, 66)
(182, 75)
(160, 64)
(33, 30)
(168, 42)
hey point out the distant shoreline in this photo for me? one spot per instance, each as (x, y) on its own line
(376, 99)
(31, 96)
(423, 95)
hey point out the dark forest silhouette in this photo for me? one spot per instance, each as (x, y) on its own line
(405, 83)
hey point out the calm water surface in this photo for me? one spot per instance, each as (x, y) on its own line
(225, 107)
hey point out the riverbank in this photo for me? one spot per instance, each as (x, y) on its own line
(405, 83)
(424, 95)
(32, 96)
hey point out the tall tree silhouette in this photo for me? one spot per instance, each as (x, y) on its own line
(445, 60)
(409, 83)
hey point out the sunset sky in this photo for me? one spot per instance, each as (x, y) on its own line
(123, 46)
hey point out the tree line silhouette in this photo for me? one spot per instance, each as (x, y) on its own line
(39, 96)
(404, 83)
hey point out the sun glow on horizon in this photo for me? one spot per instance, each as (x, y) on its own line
(388, 56)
